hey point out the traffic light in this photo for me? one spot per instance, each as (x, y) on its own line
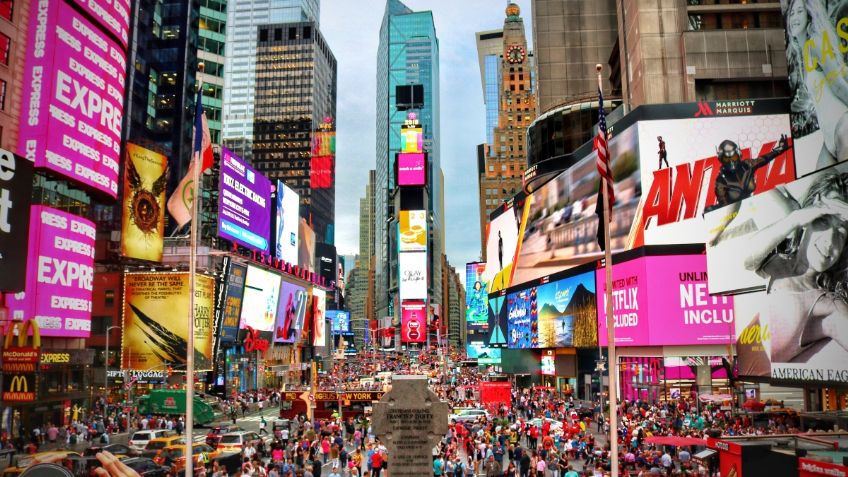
(170, 371)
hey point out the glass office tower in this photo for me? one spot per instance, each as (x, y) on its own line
(408, 53)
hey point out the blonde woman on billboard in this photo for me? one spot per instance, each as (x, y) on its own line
(803, 257)
(819, 74)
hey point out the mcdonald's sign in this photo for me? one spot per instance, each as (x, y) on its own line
(21, 358)
(19, 388)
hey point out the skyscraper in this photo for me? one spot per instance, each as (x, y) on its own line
(243, 18)
(408, 53)
(502, 170)
(489, 48)
(296, 76)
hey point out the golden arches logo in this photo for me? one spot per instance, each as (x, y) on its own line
(19, 384)
(23, 328)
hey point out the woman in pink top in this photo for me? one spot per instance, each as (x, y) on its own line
(325, 448)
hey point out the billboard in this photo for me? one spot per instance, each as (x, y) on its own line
(413, 328)
(143, 221)
(501, 247)
(113, 15)
(386, 332)
(712, 162)
(327, 261)
(548, 364)
(319, 314)
(291, 314)
(306, 246)
(556, 314)
(321, 172)
(817, 80)
(261, 296)
(483, 354)
(669, 306)
(244, 209)
(476, 302)
(412, 140)
(59, 274)
(233, 295)
(561, 225)
(155, 320)
(286, 223)
(412, 231)
(412, 276)
(74, 97)
(411, 169)
(339, 322)
(790, 244)
(745, 256)
(15, 198)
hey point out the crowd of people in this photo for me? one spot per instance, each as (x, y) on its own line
(540, 432)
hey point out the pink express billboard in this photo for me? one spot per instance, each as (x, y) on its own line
(114, 15)
(671, 306)
(73, 98)
(60, 273)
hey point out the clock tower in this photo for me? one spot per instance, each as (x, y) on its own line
(507, 158)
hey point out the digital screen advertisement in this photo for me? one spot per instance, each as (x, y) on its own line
(501, 247)
(71, 121)
(496, 335)
(143, 221)
(412, 169)
(286, 223)
(319, 325)
(413, 322)
(261, 297)
(16, 191)
(321, 172)
(244, 208)
(155, 320)
(476, 302)
(483, 354)
(339, 322)
(294, 301)
(412, 231)
(412, 140)
(231, 310)
(548, 365)
(306, 246)
(413, 275)
(679, 311)
(60, 274)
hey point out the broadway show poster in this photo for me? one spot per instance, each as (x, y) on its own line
(319, 310)
(501, 247)
(522, 323)
(818, 80)
(155, 318)
(143, 222)
(791, 244)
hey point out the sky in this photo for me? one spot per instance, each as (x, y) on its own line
(352, 29)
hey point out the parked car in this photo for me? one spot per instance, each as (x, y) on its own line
(140, 438)
(468, 415)
(146, 467)
(216, 432)
(538, 423)
(235, 441)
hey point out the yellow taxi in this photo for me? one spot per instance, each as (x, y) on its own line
(174, 456)
(154, 446)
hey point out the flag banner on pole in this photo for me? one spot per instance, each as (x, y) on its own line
(604, 170)
(179, 204)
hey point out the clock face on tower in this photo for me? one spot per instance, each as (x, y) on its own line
(515, 54)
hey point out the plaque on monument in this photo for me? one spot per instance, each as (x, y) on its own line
(411, 420)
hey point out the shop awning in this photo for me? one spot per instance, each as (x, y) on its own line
(704, 456)
(676, 441)
(715, 397)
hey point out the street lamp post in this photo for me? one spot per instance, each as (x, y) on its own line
(106, 361)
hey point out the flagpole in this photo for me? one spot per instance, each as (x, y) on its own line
(192, 269)
(612, 360)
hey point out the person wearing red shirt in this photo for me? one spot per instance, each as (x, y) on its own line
(377, 463)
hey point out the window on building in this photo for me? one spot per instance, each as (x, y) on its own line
(2, 95)
(5, 48)
(292, 33)
(6, 8)
(307, 32)
(278, 34)
(109, 298)
(263, 34)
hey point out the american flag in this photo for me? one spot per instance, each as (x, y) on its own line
(604, 170)
(600, 144)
